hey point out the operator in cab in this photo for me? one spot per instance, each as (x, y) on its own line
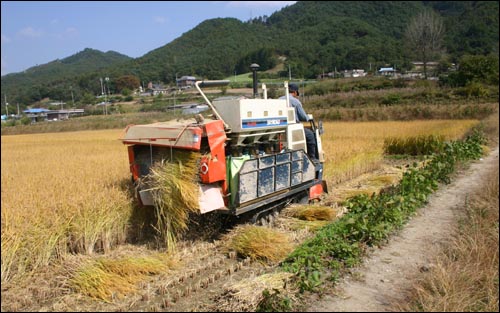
(301, 116)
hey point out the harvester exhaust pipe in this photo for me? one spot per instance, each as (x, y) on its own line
(254, 68)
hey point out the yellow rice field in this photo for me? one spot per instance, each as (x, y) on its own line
(61, 192)
(67, 192)
(353, 148)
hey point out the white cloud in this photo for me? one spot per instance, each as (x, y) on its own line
(254, 4)
(67, 33)
(159, 19)
(54, 21)
(5, 39)
(71, 31)
(30, 32)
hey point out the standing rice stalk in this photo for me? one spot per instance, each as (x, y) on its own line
(352, 149)
(61, 193)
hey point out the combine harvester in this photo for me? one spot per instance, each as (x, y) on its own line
(253, 154)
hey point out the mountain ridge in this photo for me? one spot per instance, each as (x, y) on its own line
(312, 37)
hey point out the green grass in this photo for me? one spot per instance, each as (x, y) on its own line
(241, 78)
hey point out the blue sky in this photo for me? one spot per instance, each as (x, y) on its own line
(37, 32)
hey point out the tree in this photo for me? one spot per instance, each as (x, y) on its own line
(424, 36)
(130, 82)
(87, 99)
(479, 69)
(264, 57)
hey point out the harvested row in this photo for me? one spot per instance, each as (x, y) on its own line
(218, 278)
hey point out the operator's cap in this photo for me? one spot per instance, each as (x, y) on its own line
(293, 87)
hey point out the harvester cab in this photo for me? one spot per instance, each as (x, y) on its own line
(252, 154)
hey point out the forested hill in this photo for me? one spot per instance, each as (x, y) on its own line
(52, 78)
(317, 36)
(311, 36)
(84, 61)
(211, 49)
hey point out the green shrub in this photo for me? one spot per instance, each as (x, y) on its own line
(473, 90)
(10, 122)
(126, 92)
(370, 220)
(274, 302)
(391, 99)
(25, 120)
(474, 68)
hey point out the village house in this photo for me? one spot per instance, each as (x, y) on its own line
(41, 114)
(387, 71)
(185, 81)
(156, 89)
(354, 73)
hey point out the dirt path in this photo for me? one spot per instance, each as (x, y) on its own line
(378, 283)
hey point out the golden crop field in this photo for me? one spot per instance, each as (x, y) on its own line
(61, 192)
(68, 192)
(353, 148)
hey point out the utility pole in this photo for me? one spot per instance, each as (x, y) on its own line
(6, 106)
(102, 90)
(289, 73)
(107, 83)
(72, 99)
(105, 95)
